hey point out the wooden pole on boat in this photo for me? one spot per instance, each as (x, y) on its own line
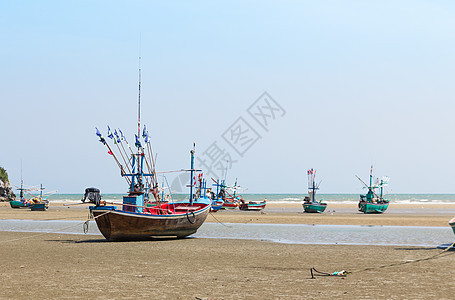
(191, 174)
(124, 160)
(116, 160)
(139, 99)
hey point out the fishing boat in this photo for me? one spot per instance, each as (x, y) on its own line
(310, 204)
(39, 203)
(252, 205)
(142, 215)
(35, 203)
(452, 224)
(219, 196)
(232, 201)
(372, 203)
(22, 202)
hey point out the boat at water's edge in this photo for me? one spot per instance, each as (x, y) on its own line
(117, 225)
(373, 208)
(252, 205)
(372, 203)
(310, 204)
(315, 207)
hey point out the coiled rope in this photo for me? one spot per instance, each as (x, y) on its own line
(344, 273)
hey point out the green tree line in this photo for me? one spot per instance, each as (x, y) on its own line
(3, 175)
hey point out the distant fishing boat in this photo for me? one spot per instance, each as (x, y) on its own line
(218, 197)
(310, 204)
(22, 202)
(252, 205)
(452, 224)
(232, 201)
(39, 203)
(143, 215)
(35, 203)
(372, 203)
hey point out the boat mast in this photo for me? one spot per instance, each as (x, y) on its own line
(192, 174)
(314, 189)
(312, 183)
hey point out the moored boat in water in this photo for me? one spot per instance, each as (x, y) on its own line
(310, 204)
(372, 203)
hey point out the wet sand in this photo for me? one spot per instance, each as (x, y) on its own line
(43, 266)
(72, 266)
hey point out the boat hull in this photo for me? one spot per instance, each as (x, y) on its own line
(118, 225)
(452, 224)
(314, 207)
(252, 205)
(18, 204)
(217, 205)
(373, 208)
(230, 205)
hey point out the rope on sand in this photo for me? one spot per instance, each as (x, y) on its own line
(344, 273)
(220, 221)
(84, 224)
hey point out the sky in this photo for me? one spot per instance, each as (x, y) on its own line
(349, 84)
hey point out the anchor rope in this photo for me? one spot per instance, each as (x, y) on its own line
(344, 273)
(55, 230)
(220, 221)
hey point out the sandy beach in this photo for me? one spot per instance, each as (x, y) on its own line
(44, 266)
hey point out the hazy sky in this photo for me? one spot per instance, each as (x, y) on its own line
(358, 82)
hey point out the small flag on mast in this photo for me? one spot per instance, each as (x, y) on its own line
(138, 143)
(98, 133)
(144, 132)
(116, 136)
(147, 138)
(109, 133)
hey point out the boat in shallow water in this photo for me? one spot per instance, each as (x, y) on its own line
(372, 203)
(310, 204)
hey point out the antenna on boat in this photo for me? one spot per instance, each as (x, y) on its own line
(139, 94)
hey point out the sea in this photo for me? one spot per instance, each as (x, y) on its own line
(290, 198)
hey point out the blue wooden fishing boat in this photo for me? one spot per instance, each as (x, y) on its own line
(372, 203)
(219, 196)
(310, 204)
(143, 214)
